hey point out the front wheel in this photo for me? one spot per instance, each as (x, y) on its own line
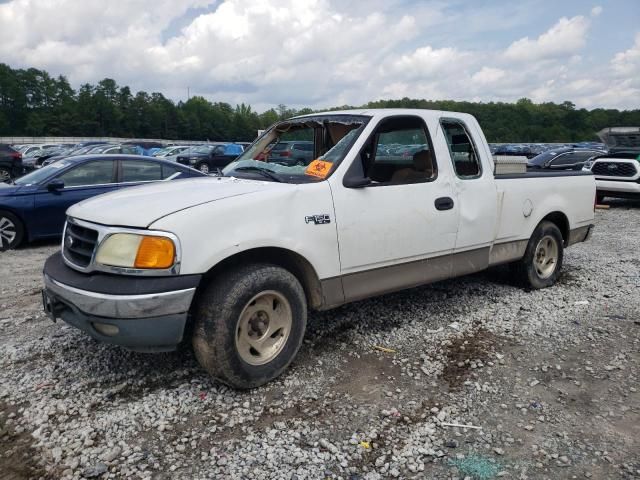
(540, 267)
(249, 324)
(11, 231)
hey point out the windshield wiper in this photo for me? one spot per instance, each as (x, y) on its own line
(263, 171)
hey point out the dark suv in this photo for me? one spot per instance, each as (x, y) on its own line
(292, 153)
(10, 163)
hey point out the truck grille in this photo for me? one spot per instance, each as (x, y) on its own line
(79, 244)
(614, 169)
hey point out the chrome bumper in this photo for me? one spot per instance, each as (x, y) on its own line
(122, 306)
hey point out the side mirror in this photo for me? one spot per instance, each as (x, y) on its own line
(356, 182)
(55, 185)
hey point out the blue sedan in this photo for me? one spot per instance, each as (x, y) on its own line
(34, 206)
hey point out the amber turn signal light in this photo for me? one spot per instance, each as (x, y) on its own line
(155, 252)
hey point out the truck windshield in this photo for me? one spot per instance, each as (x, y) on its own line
(300, 150)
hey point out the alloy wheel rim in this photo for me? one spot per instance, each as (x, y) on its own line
(4, 175)
(8, 231)
(263, 327)
(546, 256)
(204, 168)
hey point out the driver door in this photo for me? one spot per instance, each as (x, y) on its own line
(80, 182)
(399, 230)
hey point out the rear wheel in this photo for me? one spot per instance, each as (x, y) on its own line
(540, 267)
(11, 231)
(249, 324)
(5, 174)
(203, 167)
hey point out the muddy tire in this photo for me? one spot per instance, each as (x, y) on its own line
(11, 231)
(249, 324)
(540, 267)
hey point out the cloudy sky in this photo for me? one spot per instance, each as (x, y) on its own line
(325, 53)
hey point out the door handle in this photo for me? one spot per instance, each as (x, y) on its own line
(444, 203)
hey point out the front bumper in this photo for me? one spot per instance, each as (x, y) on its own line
(141, 313)
(613, 187)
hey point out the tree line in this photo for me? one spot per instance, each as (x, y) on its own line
(34, 103)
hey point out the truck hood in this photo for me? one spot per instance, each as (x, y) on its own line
(141, 206)
(621, 139)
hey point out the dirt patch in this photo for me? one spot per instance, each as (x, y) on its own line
(466, 352)
(18, 459)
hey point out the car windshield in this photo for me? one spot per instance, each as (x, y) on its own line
(38, 176)
(329, 138)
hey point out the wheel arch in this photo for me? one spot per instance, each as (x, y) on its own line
(295, 263)
(561, 221)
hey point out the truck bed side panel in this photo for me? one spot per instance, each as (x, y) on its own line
(527, 199)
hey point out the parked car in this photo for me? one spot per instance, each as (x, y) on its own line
(111, 148)
(73, 152)
(210, 158)
(10, 163)
(262, 251)
(515, 150)
(564, 159)
(35, 150)
(34, 205)
(618, 172)
(292, 153)
(145, 148)
(171, 151)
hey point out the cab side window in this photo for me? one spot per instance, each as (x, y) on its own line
(400, 152)
(464, 154)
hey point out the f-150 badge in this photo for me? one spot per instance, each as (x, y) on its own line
(318, 219)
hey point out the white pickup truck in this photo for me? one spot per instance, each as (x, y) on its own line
(394, 199)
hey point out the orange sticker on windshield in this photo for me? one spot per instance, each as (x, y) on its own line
(319, 168)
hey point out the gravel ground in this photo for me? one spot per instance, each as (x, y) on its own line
(550, 378)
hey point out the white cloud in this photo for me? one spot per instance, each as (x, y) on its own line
(488, 76)
(317, 52)
(565, 38)
(627, 63)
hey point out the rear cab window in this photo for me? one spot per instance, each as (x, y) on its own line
(463, 151)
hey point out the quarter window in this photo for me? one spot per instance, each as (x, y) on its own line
(140, 171)
(98, 172)
(463, 153)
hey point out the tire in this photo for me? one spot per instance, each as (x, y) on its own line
(5, 174)
(241, 308)
(11, 231)
(599, 199)
(203, 167)
(542, 262)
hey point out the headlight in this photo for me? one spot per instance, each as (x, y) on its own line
(192, 160)
(128, 250)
